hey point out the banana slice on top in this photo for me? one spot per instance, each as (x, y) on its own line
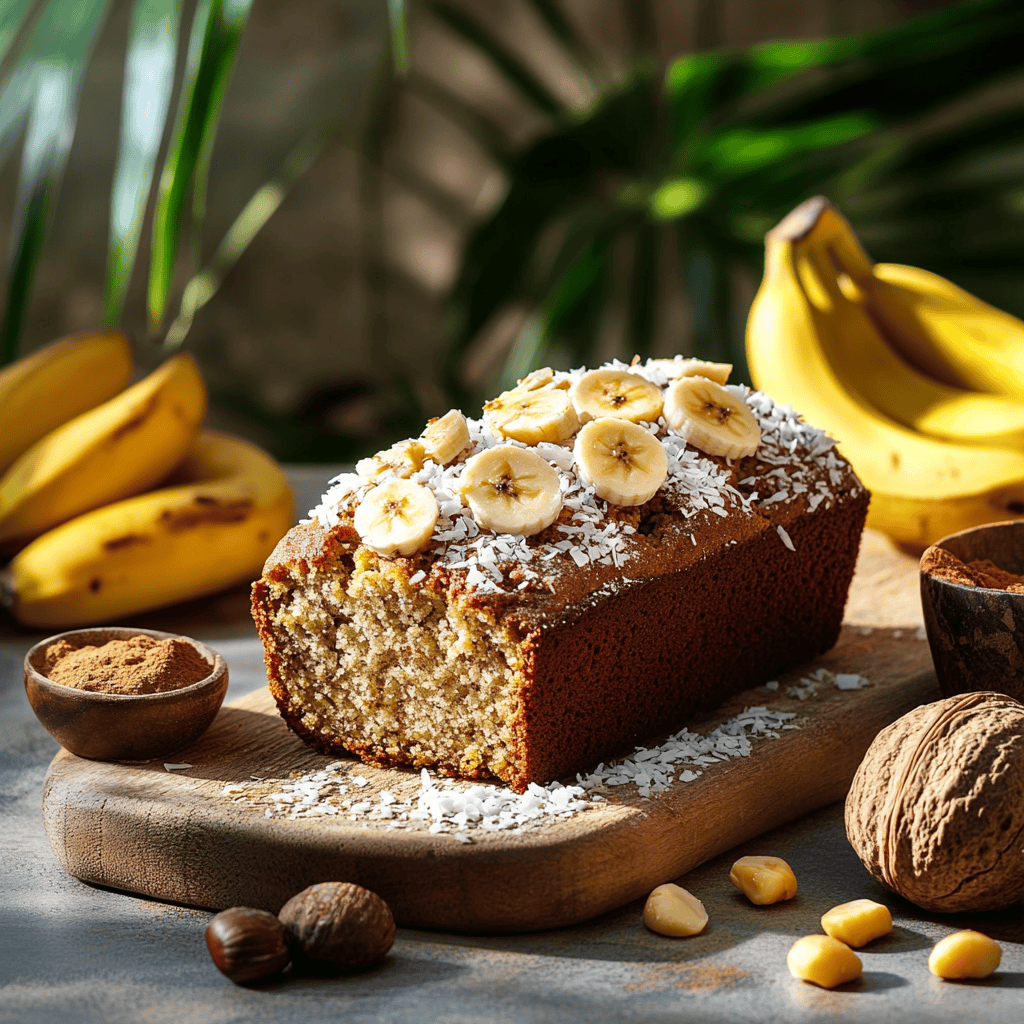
(676, 368)
(532, 415)
(711, 418)
(541, 378)
(616, 393)
(403, 459)
(511, 490)
(446, 438)
(622, 461)
(396, 517)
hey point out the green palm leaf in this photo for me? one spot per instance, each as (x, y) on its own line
(216, 34)
(148, 82)
(399, 36)
(12, 16)
(44, 89)
(739, 138)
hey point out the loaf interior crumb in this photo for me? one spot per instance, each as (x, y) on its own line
(425, 682)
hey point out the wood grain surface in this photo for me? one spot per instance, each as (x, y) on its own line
(177, 835)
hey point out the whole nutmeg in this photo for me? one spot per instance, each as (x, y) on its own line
(339, 923)
(936, 809)
(247, 944)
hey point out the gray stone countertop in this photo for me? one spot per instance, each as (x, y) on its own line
(73, 953)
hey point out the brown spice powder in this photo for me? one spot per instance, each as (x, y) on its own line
(141, 664)
(982, 572)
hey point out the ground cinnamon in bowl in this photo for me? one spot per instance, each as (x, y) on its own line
(972, 597)
(139, 664)
(980, 572)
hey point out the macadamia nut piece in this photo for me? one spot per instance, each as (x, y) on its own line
(858, 922)
(823, 961)
(671, 910)
(764, 880)
(966, 954)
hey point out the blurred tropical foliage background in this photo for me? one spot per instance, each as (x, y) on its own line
(357, 213)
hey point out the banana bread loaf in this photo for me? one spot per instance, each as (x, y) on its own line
(602, 555)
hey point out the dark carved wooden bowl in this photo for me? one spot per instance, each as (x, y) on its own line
(977, 635)
(119, 726)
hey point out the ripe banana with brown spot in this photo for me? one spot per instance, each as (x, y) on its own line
(224, 509)
(922, 488)
(44, 390)
(122, 447)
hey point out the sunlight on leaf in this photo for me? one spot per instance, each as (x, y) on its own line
(399, 37)
(260, 208)
(771, 62)
(213, 47)
(526, 353)
(49, 76)
(14, 104)
(742, 150)
(678, 198)
(148, 81)
(12, 14)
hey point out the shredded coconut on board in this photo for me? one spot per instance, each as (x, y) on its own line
(810, 684)
(459, 808)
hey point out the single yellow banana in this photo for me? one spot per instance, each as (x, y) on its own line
(212, 528)
(830, 263)
(55, 384)
(946, 331)
(922, 488)
(120, 448)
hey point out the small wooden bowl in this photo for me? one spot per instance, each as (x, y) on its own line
(118, 726)
(977, 635)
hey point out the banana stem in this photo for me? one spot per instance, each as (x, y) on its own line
(816, 222)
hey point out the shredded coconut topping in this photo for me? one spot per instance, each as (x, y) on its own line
(700, 485)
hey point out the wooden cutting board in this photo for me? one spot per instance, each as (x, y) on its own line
(212, 835)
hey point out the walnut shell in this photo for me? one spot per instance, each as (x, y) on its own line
(339, 923)
(936, 809)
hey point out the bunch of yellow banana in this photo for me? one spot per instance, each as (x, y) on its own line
(920, 383)
(115, 500)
